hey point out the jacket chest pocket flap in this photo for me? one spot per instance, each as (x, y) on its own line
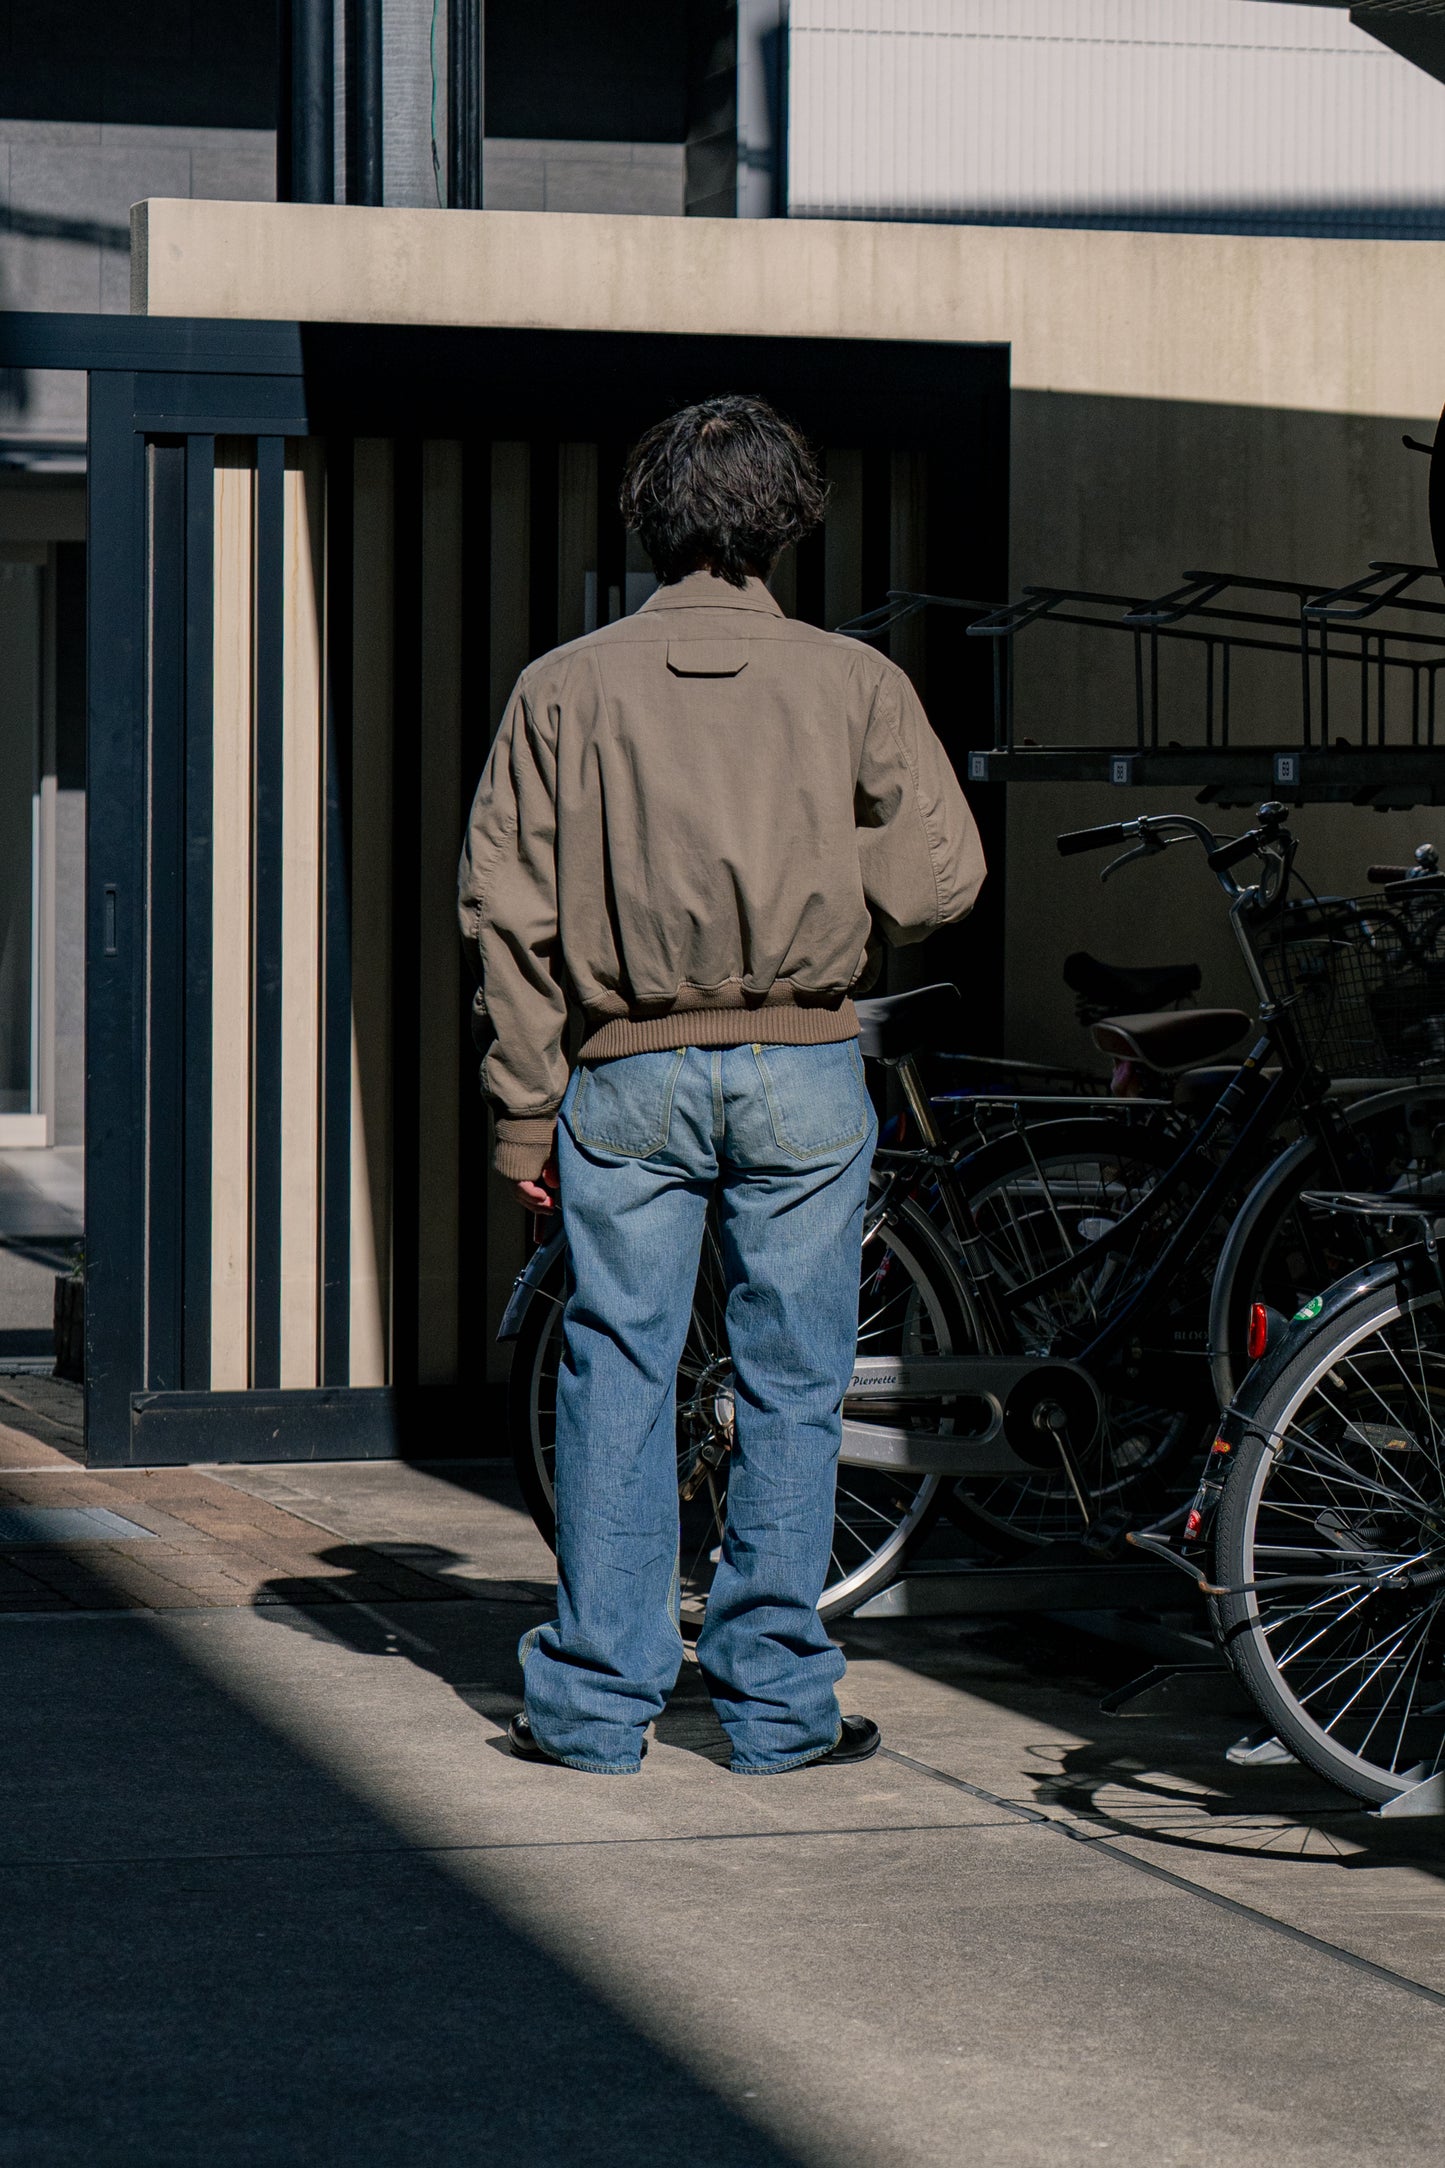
(707, 658)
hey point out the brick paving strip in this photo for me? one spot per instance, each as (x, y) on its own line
(210, 1545)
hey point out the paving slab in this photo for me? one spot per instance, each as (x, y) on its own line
(42, 1423)
(273, 1891)
(458, 1520)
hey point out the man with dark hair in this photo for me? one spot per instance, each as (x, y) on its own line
(689, 824)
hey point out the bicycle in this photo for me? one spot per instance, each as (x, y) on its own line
(1045, 1195)
(1008, 1294)
(1323, 1504)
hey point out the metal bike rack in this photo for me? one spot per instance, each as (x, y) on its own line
(1368, 725)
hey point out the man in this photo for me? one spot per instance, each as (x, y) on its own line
(688, 826)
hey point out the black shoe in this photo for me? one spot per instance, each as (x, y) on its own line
(527, 1748)
(858, 1741)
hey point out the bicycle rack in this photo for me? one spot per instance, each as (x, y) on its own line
(1366, 719)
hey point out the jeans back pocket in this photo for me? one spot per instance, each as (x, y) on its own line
(625, 1106)
(817, 1100)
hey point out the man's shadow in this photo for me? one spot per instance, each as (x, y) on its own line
(378, 1600)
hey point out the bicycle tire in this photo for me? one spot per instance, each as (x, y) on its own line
(1317, 1689)
(865, 1566)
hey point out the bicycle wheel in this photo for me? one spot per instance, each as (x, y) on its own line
(1280, 1254)
(1039, 1196)
(908, 1305)
(1332, 1529)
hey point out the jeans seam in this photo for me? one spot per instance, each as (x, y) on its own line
(794, 1761)
(599, 1769)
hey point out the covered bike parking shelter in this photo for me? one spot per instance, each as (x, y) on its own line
(317, 556)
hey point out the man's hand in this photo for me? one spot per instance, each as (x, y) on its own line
(541, 1195)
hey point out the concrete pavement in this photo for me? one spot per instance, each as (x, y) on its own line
(275, 1893)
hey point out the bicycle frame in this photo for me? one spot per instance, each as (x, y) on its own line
(1276, 1079)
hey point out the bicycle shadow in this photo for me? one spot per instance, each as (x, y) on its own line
(1155, 1772)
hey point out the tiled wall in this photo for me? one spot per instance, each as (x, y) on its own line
(66, 188)
(521, 174)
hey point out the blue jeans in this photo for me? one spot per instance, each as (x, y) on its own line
(784, 1136)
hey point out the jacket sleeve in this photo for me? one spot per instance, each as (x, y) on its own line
(507, 901)
(918, 846)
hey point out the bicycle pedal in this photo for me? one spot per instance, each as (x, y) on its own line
(1106, 1537)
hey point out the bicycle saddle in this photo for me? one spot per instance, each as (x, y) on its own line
(1171, 1038)
(893, 1026)
(1147, 987)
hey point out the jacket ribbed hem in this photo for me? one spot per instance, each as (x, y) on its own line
(524, 1145)
(776, 1023)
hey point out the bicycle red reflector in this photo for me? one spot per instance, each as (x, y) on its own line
(1193, 1525)
(1258, 1337)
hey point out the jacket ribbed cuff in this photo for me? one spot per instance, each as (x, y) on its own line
(524, 1145)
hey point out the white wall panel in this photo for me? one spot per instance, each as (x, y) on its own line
(1216, 112)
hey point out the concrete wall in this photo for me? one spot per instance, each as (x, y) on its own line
(1179, 400)
(1319, 326)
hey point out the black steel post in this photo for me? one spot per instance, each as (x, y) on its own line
(466, 104)
(364, 132)
(305, 136)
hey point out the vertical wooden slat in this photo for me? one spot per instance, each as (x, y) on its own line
(233, 591)
(301, 977)
(907, 557)
(576, 537)
(810, 593)
(784, 583)
(166, 947)
(843, 539)
(336, 1054)
(268, 836)
(371, 828)
(510, 653)
(477, 724)
(511, 558)
(544, 538)
(611, 535)
(199, 925)
(407, 637)
(440, 1020)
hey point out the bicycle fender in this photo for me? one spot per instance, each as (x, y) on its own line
(1246, 1219)
(538, 1265)
(1257, 1205)
(1318, 1316)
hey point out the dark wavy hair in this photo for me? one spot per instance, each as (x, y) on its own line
(727, 484)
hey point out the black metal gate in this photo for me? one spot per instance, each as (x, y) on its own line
(318, 555)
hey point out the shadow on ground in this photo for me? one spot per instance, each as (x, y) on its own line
(333, 1609)
(218, 1953)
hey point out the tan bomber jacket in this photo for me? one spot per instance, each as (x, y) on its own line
(688, 824)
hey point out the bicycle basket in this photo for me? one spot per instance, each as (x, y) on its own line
(1365, 981)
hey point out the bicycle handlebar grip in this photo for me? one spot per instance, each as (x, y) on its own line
(1225, 855)
(1092, 839)
(1385, 876)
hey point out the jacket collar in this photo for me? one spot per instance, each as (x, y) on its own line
(705, 590)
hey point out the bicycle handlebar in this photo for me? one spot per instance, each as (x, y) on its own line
(1094, 839)
(1270, 841)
